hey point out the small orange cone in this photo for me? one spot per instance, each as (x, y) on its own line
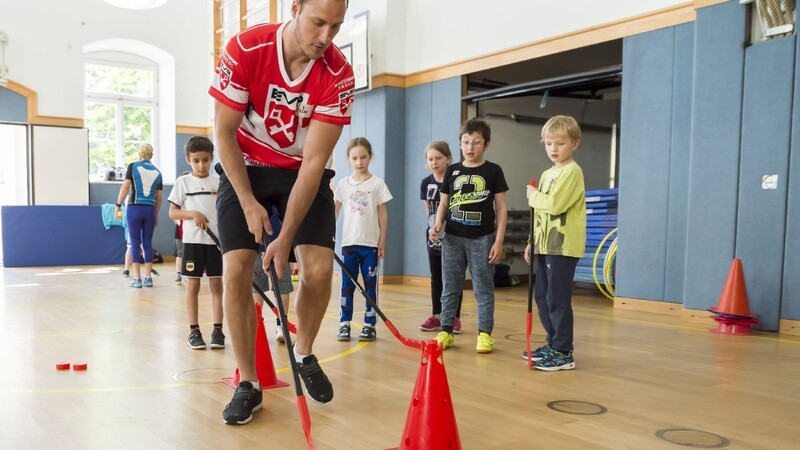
(265, 369)
(733, 300)
(431, 421)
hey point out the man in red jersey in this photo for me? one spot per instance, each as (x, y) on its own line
(282, 94)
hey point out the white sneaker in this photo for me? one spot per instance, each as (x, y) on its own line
(279, 335)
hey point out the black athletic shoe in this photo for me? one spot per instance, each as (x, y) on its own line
(367, 334)
(246, 400)
(317, 384)
(196, 341)
(217, 339)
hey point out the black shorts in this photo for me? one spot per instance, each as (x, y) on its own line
(271, 187)
(200, 258)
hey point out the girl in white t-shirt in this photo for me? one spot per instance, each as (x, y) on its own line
(362, 199)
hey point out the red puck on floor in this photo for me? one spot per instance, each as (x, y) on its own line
(80, 366)
(63, 365)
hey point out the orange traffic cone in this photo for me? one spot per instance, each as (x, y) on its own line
(265, 369)
(431, 421)
(733, 300)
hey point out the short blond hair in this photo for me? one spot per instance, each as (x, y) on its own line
(562, 126)
(146, 152)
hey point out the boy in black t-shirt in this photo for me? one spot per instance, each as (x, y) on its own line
(473, 199)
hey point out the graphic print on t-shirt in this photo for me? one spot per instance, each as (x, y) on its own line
(468, 189)
(359, 201)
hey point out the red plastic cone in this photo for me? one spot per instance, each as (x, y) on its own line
(431, 421)
(733, 300)
(265, 369)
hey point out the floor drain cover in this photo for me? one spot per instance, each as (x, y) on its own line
(202, 376)
(577, 407)
(693, 438)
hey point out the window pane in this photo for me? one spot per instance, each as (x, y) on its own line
(229, 13)
(256, 17)
(138, 122)
(101, 120)
(254, 4)
(119, 80)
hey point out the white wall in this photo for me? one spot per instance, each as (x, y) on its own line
(46, 40)
(446, 31)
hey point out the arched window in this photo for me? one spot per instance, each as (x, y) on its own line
(136, 59)
(121, 109)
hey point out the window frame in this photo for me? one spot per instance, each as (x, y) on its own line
(244, 14)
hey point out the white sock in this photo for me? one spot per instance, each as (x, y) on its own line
(298, 357)
(344, 323)
(256, 385)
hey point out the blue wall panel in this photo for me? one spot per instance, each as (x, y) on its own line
(766, 122)
(13, 106)
(180, 154)
(714, 164)
(81, 239)
(790, 303)
(418, 120)
(394, 175)
(678, 205)
(644, 163)
(433, 113)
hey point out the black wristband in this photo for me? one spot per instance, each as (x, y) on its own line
(119, 205)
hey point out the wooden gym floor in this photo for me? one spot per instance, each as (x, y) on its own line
(642, 380)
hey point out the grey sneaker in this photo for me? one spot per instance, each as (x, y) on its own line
(196, 341)
(217, 339)
(344, 333)
(367, 334)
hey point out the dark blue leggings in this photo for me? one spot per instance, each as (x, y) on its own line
(365, 258)
(141, 223)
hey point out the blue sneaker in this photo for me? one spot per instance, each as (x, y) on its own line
(555, 360)
(538, 354)
(136, 283)
(148, 282)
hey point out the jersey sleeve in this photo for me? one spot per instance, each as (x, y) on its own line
(335, 104)
(231, 77)
(423, 189)
(178, 194)
(129, 172)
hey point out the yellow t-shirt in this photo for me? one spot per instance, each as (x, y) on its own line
(560, 212)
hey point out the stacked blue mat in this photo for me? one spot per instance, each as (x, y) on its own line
(601, 218)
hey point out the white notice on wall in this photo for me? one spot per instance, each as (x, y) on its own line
(769, 182)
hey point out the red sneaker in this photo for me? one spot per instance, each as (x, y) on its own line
(431, 324)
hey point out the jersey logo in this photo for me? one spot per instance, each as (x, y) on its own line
(283, 112)
(345, 101)
(224, 75)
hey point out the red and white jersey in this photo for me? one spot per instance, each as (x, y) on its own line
(251, 77)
